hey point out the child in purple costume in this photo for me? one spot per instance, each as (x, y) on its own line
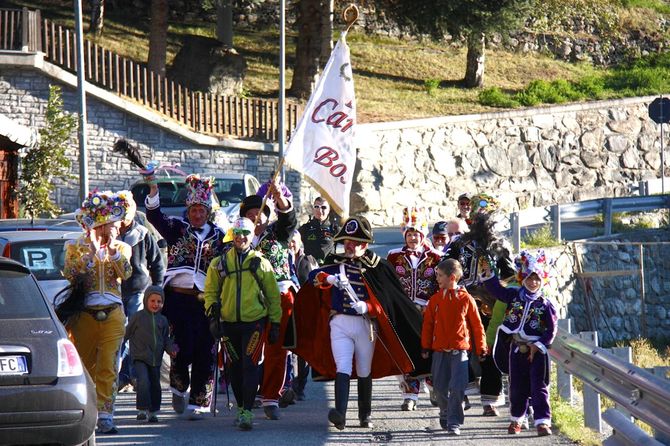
(524, 337)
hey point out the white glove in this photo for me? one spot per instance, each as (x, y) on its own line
(361, 307)
(338, 281)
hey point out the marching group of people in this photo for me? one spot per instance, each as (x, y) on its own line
(439, 313)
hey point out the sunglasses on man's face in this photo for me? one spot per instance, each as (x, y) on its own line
(464, 203)
(323, 207)
(241, 232)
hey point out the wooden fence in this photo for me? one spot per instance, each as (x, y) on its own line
(219, 115)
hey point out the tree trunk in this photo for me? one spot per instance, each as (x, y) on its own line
(224, 22)
(97, 16)
(308, 48)
(474, 70)
(326, 31)
(158, 36)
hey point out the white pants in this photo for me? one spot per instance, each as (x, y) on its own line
(349, 340)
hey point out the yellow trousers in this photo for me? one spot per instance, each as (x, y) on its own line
(98, 344)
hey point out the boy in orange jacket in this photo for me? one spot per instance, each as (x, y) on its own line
(451, 319)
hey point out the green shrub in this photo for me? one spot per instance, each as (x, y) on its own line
(431, 86)
(591, 86)
(494, 97)
(540, 238)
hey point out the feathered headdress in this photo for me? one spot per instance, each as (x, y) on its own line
(133, 154)
(414, 218)
(199, 191)
(528, 263)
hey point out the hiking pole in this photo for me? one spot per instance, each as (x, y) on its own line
(215, 387)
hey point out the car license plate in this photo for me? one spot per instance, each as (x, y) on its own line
(13, 365)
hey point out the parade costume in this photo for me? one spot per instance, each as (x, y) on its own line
(451, 325)
(329, 329)
(242, 286)
(483, 244)
(530, 319)
(190, 251)
(97, 331)
(415, 270)
(273, 244)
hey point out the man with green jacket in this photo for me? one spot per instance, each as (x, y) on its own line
(242, 290)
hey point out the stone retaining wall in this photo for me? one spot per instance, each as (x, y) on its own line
(613, 305)
(526, 158)
(23, 98)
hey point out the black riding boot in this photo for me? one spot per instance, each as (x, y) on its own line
(338, 416)
(365, 401)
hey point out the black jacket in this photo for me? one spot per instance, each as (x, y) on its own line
(317, 238)
(146, 260)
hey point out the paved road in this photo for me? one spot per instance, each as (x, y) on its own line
(305, 423)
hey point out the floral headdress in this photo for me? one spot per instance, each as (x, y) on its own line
(199, 191)
(528, 263)
(100, 208)
(483, 203)
(414, 218)
(125, 198)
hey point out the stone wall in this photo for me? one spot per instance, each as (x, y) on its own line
(526, 158)
(611, 301)
(23, 98)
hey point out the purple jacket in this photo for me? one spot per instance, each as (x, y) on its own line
(531, 316)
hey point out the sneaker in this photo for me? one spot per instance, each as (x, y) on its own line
(178, 403)
(408, 405)
(433, 398)
(192, 415)
(106, 426)
(543, 430)
(466, 403)
(244, 420)
(524, 424)
(271, 412)
(514, 428)
(491, 411)
(454, 431)
(444, 424)
(287, 398)
(336, 418)
(141, 415)
(153, 418)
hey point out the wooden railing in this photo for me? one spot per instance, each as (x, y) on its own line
(202, 112)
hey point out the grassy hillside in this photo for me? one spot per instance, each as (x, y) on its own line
(395, 79)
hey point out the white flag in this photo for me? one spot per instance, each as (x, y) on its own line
(322, 145)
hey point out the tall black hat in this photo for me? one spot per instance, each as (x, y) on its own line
(355, 228)
(254, 202)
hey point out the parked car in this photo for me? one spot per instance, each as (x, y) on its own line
(41, 250)
(46, 395)
(229, 188)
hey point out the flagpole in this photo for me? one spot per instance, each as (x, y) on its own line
(282, 82)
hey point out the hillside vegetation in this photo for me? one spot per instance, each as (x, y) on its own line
(408, 78)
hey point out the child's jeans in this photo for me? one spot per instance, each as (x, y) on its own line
(148, 386)
(450, 377)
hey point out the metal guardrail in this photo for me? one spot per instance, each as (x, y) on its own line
(606, 207)
(635, 390)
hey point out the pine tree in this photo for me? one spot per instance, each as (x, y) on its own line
(47, 161)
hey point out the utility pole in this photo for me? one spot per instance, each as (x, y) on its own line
(81, 93)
